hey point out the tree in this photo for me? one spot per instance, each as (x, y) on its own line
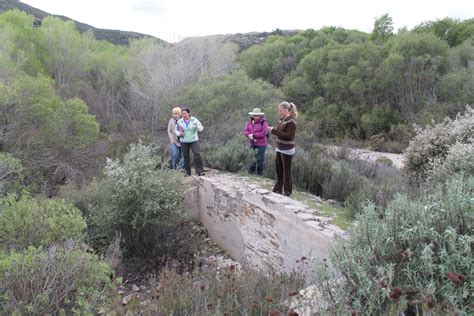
(154, 72)
(452, 31)
(19, 45)
(383, 29)
(412, 71)
(67, 51)
(50, 136)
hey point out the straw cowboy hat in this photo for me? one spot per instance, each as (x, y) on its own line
(256, 111)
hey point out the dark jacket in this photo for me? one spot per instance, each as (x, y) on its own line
(285, 132)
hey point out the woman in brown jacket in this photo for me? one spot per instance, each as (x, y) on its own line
(285, 141)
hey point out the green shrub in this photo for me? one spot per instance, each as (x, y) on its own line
(269, 170)
(233, 156)
(414, 256)
(434, 142)
(89, 199)
(62, 279)
(137, 198)
(310, 170)
(33, 222)
(342, 181)
(379, 185)
(12, 174)
(365, 192)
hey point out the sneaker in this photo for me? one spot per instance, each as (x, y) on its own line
(201, 174)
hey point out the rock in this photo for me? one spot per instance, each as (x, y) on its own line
(127, 299)
(135, 288)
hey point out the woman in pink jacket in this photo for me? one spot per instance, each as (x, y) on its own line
(257, 133)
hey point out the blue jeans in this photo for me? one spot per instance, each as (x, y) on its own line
(176, 157)
(259, 164)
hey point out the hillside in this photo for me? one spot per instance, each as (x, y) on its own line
(114, 36)
(117, 37)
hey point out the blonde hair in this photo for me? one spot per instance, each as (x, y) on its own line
(176, 110)
(291, 107)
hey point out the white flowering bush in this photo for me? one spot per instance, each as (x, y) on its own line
(432, 144)
(459, 158)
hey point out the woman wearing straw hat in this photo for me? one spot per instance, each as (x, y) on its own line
(256, 131)
(285, 132)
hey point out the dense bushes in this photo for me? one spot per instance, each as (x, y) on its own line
(414, 255)
(31, 222)
(233, 156)
(44, 267)
(60, 279)
(337, 176)
(12, 174)
(353, 86)
(137, 198)
(434, 148)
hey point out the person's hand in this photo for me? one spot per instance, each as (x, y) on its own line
(251, 136)
(270, 128)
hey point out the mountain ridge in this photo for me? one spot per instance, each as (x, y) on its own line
(114, 36)
(118, 37)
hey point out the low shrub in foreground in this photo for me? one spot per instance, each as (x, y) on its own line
(212, 291)
(414, 256)
(61, 279)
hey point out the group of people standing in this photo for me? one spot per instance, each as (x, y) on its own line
(183, 133)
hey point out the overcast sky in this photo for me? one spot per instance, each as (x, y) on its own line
(173, 20)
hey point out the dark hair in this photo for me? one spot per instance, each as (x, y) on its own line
(186, 109)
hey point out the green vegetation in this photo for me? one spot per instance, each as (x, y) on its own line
(57, 280)
(31, 222)
(138, 198)
(68, 101)
(413, 256)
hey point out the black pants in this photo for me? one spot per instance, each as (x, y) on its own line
(194, 146)
(284, 184)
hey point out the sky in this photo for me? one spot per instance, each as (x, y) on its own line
(174, 20)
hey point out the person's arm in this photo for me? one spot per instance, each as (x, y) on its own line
(263, 132)
(199, 126)
(247, 130)
(289, 134)
(177, 131)
(171, 133)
